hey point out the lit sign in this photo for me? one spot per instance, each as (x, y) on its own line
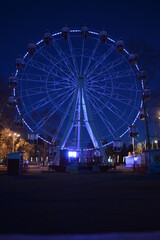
(135, 159)
(72, 154)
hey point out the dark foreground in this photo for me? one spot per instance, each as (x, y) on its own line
(60, 203)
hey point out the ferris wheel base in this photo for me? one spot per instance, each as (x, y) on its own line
(79, 168)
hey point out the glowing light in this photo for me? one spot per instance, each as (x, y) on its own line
(110, 39)
(95, 33)
(77, 31)
(156, 141)
(72, 154)
(135, 159)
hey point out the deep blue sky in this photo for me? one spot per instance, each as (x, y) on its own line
(22, 21)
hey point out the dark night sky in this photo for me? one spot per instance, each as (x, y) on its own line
(22, 21)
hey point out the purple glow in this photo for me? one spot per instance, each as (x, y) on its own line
(72, 154)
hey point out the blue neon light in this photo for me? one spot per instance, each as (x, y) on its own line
(75, 31)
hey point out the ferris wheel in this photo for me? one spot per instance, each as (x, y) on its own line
(77, 88)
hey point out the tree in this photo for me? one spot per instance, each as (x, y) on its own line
(25, 147)
(139, 148)
(9, 142)
(149, 60)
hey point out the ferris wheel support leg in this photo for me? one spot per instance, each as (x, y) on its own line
(79, 127)
(93, 128)
(63, 142)
(67, 130)
(81, 124)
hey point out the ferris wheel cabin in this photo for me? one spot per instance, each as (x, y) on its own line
(47, 37)
(146, 94)
(65, 32)
(132, 59)
(19, 63)
(142, 75)
(103, 36)
(141, 114)
(120, 45)
(19, 121)
(12, 81)
(133, 131)
(12, 102)
(84, 32)
(31, 47)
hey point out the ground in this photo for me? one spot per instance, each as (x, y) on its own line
(59, 203)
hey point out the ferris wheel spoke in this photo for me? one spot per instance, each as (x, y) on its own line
(110, 66)
(60, 83)
(63, 119)
(104, 72)
(45, 68)
(52, 81)
(42, 102)
(132, 89)
(42, 79)
(91, 57)
(120, 99)
(52, 112)
(101, 60)
(63, 58)
(40, 66)
(104, 118)
(39, 104)
(112, 76)
(41, 90)
(73, 56)
(121, 86)
(35, 106)
(125, 86)
(32, 77)
(114, 96)
(82, 56)
(111, 108)
(57, 74)
(109, 88)
(100, 90)
(32, 91)
(54, 61)
(117, 112)
(59, 95)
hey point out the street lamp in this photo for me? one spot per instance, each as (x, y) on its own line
(14, 138)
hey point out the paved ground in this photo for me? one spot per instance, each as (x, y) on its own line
(60, 203)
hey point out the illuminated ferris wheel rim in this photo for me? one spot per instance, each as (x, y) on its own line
(95, 33)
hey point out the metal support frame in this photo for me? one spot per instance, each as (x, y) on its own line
(81, 118)
(145, 117)
(68, 129)
(84, 117)
(93, 128)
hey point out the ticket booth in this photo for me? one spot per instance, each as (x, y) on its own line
(15, 163)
